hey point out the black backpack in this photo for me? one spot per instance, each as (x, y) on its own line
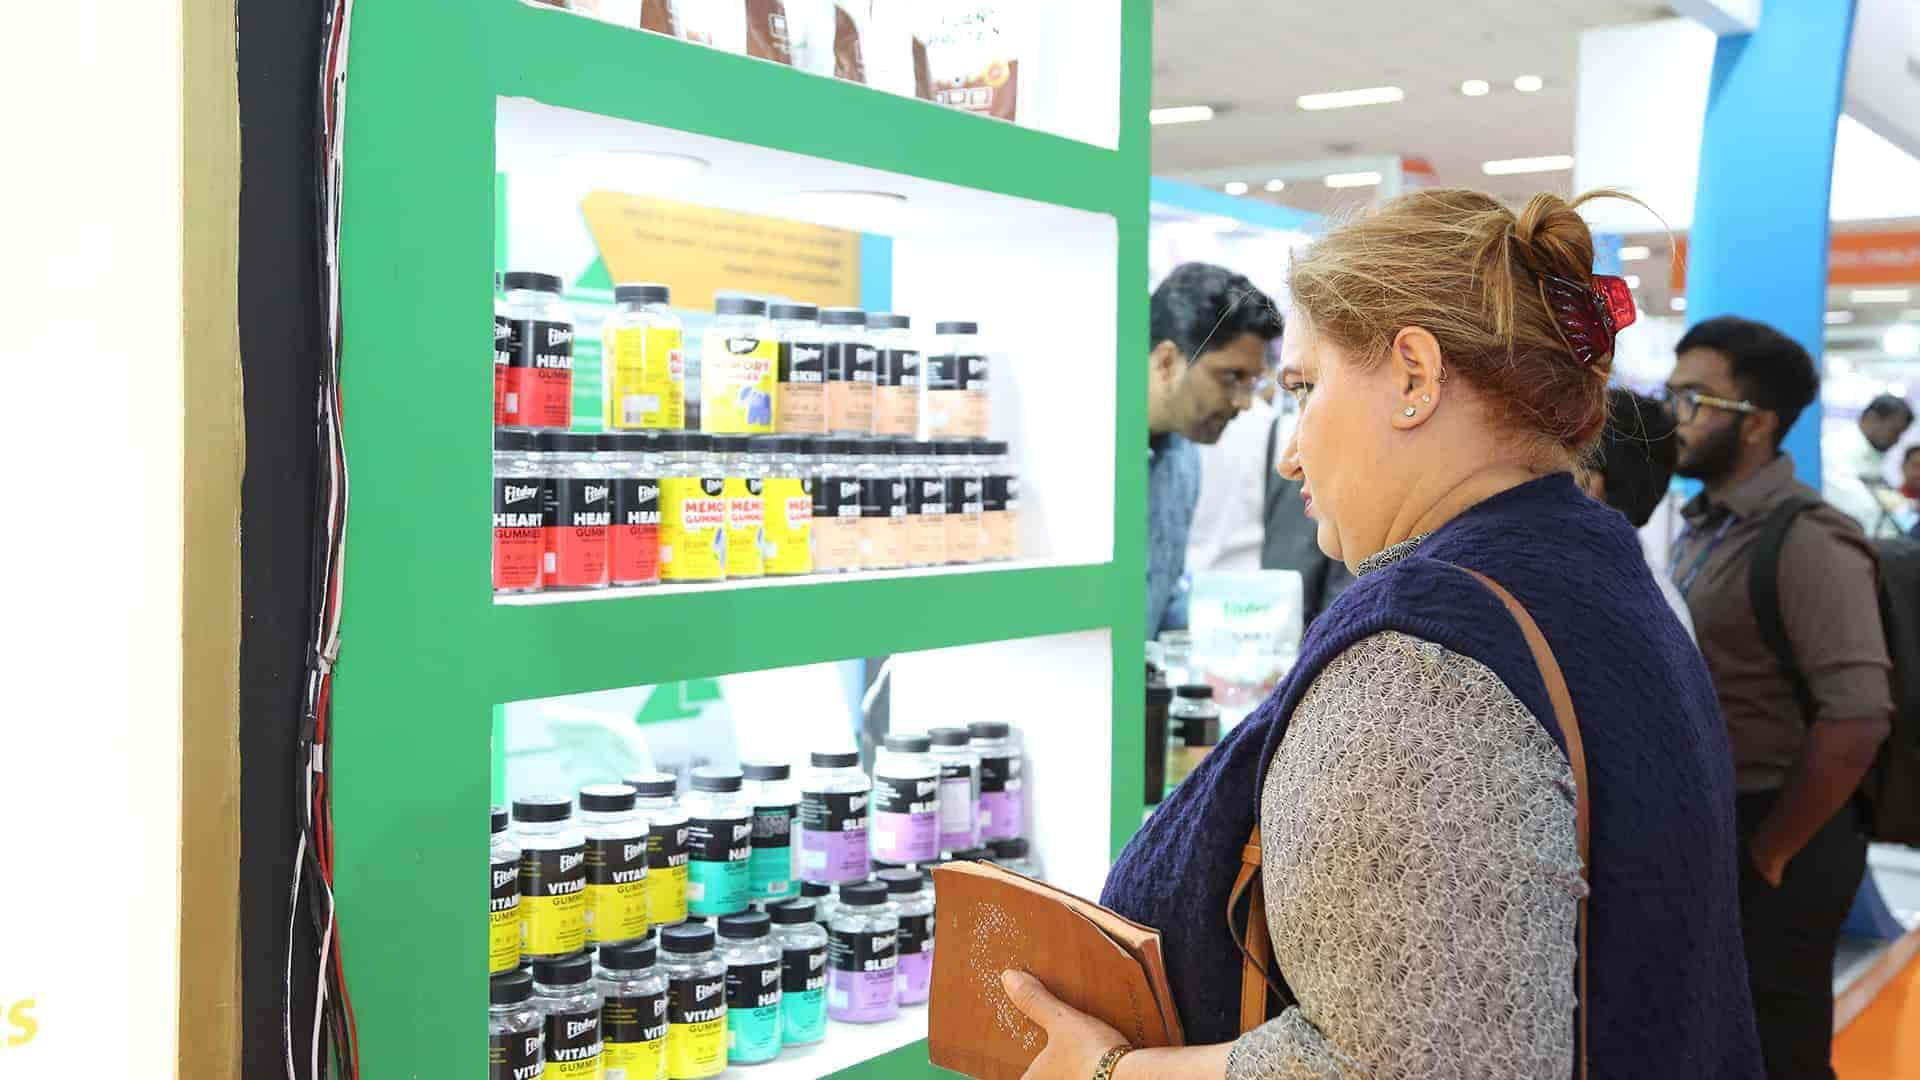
(1890, 794)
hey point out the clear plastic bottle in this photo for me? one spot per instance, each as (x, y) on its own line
(788, 495)
(579, 511)
(633, 553)
(851, 364)
(957, 382)
(965, 495)
(1002, 800)
(745, 465)
(862, 956)
(834, 816)
(837, 526)
(633, 1013)
(503, 925)
(821, 893)
(616, 863)
(739, 362)
(514, 1043)
(897, 375)
(803, 971)
(643, 374)
(883, 507)
(959, 788)
(553, 877)
(539, 379)
(926, 505)
(519, 508)
(502, 353)
(753, 987)
(803, 370)
(696, 1002)
(666, 847)
(720, 842)
(693, 510)
(914, 968)
(1015, 855)
(773, 869)
(1193, 730)
(569, 1004)
(906, 801)
(1000, 502)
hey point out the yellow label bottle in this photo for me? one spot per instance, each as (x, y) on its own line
(696, 1002)
(643, 367)
(738, 383)
(746, 526)
(553, 877)
(503, 919)
(789, 517)
(616, 895)
(693, 512)
(634, 1016)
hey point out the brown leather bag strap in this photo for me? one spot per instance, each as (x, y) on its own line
(1256, 948)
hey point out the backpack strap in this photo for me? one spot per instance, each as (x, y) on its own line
(1763, 583)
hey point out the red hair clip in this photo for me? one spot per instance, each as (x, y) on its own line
(1589, 318)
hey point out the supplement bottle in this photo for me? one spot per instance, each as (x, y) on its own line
(616, 864)
(1013, 854)
(837, 526)
(1002, 809)
(833, 819)
(1193, 730)
(964, 499)
(789, 505)
(802, 400)
(753, 987)
(1000, 502)
(578, 511)
(502, 354)
(634, 545)
(503, 919)
(513, 1028)
(553, 877)
(693, 510)
(862, 956)
(745, 466)
(720, 841)
(883, 507)
(569, 1005)
(906, 801)
(643, 373)
(957, 382)
(959, 788)
(539, 379)
(822, 896)
(666, 847)
(519, 515)
(739, 362)
(896, 399)
(926, 507)
(914, 969)
(771, 869)
(696, 1002)
(633, 1013)
(803, 972)
(851, 371)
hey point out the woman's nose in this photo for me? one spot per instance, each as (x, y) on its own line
(1288, 467)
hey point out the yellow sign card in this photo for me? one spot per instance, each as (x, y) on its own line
(699, 251)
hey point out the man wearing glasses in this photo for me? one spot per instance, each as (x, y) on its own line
(1210, 328)
(1736, 388)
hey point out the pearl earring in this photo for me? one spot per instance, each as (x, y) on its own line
(1426, 399)
(1410, 410)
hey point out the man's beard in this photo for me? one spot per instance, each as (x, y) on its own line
(1713, 458)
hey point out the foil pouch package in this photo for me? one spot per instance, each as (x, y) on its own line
(1246, 629)
(974, 51)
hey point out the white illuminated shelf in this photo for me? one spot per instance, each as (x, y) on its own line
(845, 1046)
(579, 596)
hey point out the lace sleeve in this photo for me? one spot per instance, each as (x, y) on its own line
(1421, 876)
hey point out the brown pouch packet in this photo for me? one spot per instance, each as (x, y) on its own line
(660, 16)
(767, 31)
(847, 63)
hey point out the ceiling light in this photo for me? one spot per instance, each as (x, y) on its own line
(1516, 166)
(1276, 185)
(1839, 318)
(1179, 114)
(1635, 252)
(1880, 296)
(1633, 281)
(1527, 84)
(1347, 99)
(1475, 88)
(1678, 303)
(1217, 223)
(1901, 339)
(1353, 179)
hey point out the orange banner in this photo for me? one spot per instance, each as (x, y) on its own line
(1864, 258)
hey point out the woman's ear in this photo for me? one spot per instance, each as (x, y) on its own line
(1418, 376)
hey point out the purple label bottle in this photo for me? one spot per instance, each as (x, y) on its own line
(1002, 812)
(833, 819)
(914, 945)
(862, 956)
(959, 788)
(906, 801)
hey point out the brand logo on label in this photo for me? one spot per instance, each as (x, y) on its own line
(647, 492)
(631, 852)
(501, 330)
(807, 354)
(514, 493)
(703, 991)
(595, 492)
(502, 878)
(577, 1028)
(926, 787)
(713, 487)
(569, 863)
(558, 336)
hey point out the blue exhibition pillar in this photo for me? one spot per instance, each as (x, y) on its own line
(1759, 241)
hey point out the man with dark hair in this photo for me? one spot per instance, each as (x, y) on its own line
(1853, 460)
(1736, 388)
(1635, 465)
(1210, 328)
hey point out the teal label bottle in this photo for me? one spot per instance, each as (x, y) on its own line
(717, 876)
(803, 995)
(770, 867)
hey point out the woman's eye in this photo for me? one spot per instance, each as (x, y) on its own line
(1298, 390)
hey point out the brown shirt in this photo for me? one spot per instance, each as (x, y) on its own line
(1827, 602)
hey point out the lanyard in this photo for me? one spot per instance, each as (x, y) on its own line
(1685, 584)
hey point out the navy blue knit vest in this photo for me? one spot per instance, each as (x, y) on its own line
(1668, 986)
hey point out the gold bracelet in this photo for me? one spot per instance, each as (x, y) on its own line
(1110, 1061)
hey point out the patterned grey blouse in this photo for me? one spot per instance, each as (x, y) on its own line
(1421, 874)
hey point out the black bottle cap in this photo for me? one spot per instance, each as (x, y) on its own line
(809, 312)
(645, 292)
(538, 808)
(762, 770)
(780, 444)
(835, 760)
(606, 798)
(698, 441)
(715, 778)
(509, 988)
(793, 912)
(499, 819)
(815, 890)
(957, 327)
(995, 446)
(527, 279)
(949, 736)
(511, 442)
(989, 729)
(630, 955)
(899, 882)
(733, 444)
(908, 744)
(655, 785)
(739, 305)
(633, 442)
(888, 320)
(687, 937)
(1196, 692)
(566, 971)
(745, 926)
(972, 854)
(1161, 695)
(842, 316)
(863, 894)
(1011, 848)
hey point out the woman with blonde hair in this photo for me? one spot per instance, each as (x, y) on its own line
(1485, 827)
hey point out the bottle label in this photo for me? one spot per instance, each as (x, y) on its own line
(861, 975)
(803, 995)
(802, 406)
(770, 867)
(634, 550)
(503, 921)
(836, 523)
(519, 531)
(693, 528)
(696, 1026)
(906, 827)
(883, 520)
(514, 1055)
(944, 371)
(579, 512)
(666, 880)
(646, 379)
(789, 529)
(737, 387)
(553, 897)
(1001, 811)
(915, 967)
(850, 378)
(502, 364)
(616, 889)
(896, 407)
(958, 827)
(634, 1033)
(927, 521)
(833, 837)
(539, 383)
(746, 527)
(717, 881)
(573, 1046)
(753, 1011)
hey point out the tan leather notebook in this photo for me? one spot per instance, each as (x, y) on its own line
(990, 919)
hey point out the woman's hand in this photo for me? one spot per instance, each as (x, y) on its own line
(1075, 1041)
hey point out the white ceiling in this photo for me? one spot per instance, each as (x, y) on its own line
(1250, 61)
